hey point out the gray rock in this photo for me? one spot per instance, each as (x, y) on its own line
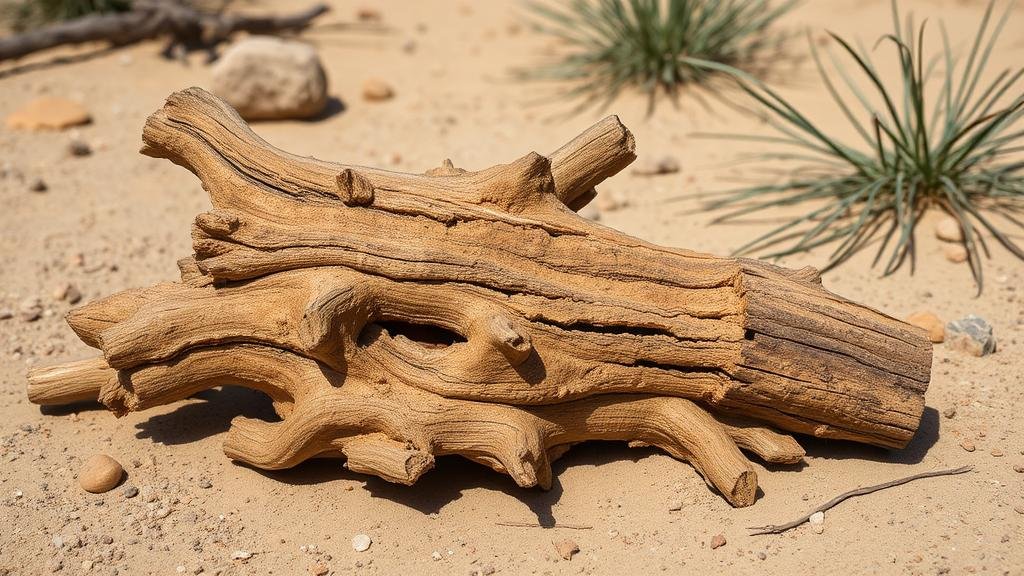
(971, 335)
(267, 78)
(130, 491)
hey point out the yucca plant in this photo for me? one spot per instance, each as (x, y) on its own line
(617, 44)
(955, 145)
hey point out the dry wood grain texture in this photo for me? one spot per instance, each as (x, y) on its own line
(393, 318)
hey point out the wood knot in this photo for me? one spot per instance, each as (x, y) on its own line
(354, 189)
(217, 222)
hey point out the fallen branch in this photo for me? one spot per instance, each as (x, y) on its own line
(779, 529)
(539, 525)
(187, 27)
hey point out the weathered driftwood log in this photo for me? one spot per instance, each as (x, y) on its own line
(396, 317)
(186, 27)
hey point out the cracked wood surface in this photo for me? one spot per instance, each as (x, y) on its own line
(396, 317)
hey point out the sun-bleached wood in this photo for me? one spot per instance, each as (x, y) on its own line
(393, 318)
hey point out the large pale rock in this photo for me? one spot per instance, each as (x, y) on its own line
(267, 78)
(49, 113)
(971, 335)
(100, 473)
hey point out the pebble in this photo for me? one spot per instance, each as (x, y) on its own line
(817, 518)
(129, 491)
(38, 185)
(99, 474)
(949, 412)
(49, 113)
(79, 148)
(818, 528)
(651, 167)
(241, 555)
(6, 314)
(376, 90)
(566, 548)
(361, 542)
(205, 483)
(68, 292)
(930, 323)
(948, 230)
(1018, 468)
(955, 253)
(31, 310)
(971, 335)
(319, 570)
(968, 445)
(997, 453)
(675, 505)
(435, 555)
(717, 541)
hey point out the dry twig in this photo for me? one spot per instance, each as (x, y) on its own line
(779, 529)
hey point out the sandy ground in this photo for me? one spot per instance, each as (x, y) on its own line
(116, 219)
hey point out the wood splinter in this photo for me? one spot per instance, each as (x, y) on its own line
(394, 318)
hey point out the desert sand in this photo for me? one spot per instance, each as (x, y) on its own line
(115, 219)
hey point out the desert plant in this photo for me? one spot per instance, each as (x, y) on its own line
(26, 14)
(957, 148)
(615, 44)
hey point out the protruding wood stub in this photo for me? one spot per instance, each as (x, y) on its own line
(354, 189)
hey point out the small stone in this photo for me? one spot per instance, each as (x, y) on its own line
(55, 565)
(955, 253)
(1018, 468)
(717, 541)
(31, 310)
(242, 555)
(675, 505)
(818, 528)
(949, 412)
(366, 14)
(129, 491)
(997, 453)
(971, 335)
(817, 518)
(361, 542)
(6, 314)
(38, 185)
(658, 167)
(949, 230)
(99, 474)
(205, 483)
(49, 113)
(319, 570)
(79, 148)
(161, 513)
(67, 291)
(435, 556)
(269, 78)
(968, 445)
(762, 556)
(87, 565)
(566, 548)
(930, 323)
(376, 90)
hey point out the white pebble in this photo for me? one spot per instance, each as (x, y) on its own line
(817, 518)
(241, 555)
(436, 555)
(361, 542)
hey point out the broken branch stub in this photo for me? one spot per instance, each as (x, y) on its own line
(393, 318)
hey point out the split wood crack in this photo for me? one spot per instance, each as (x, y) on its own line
(393, 318)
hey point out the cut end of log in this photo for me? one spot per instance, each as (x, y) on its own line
(393, 318)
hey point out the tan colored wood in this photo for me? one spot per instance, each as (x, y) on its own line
(397, 317)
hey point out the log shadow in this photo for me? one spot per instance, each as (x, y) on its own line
(198, 420)
(926, 437)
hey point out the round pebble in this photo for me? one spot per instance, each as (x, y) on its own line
(99, 474)
(361, 542)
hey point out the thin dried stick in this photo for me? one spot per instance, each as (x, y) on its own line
(538, 525)
(773, 529)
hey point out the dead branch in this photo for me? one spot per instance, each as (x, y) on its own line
(185, 26)
(779, 529)
(393, 318)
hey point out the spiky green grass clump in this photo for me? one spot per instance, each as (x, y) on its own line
(955, 145)
(25, 14)
(615, 44)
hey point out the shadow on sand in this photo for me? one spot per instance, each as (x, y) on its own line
(453, 475)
